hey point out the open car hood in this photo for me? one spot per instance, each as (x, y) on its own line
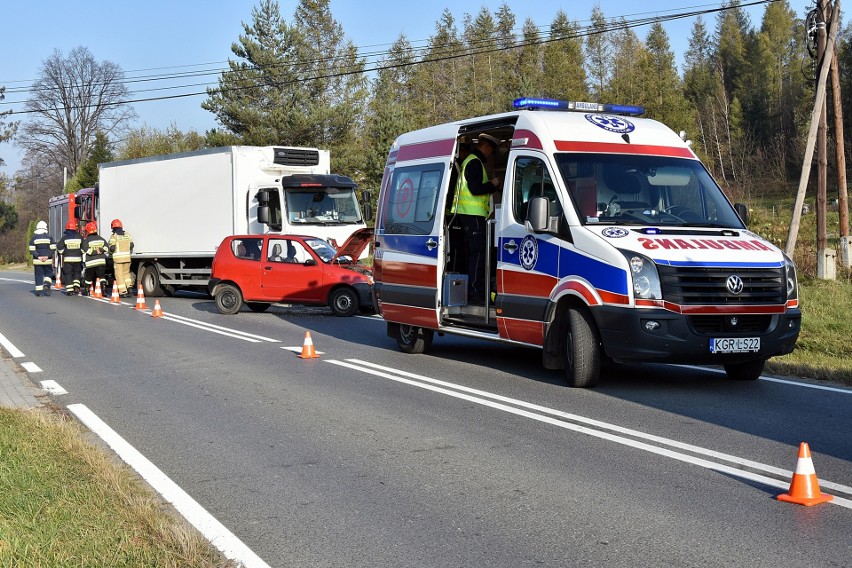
(355, 244)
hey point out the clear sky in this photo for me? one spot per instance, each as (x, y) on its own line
(157, 37)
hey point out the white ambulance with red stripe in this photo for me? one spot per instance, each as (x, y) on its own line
(609, 241)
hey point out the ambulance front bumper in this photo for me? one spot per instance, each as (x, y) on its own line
(656, 335)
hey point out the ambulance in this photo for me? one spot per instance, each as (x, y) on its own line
(609, 242)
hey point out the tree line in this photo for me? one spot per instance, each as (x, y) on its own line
(744, 95)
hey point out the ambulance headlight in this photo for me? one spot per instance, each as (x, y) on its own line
(644, 276)
(790, 278)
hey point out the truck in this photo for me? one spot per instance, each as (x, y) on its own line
(609, 242)
(179, 207)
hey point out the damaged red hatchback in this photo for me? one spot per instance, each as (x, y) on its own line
(260, 270)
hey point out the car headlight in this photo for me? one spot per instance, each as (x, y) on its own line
(644, 275)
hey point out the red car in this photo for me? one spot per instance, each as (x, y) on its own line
(261, 270)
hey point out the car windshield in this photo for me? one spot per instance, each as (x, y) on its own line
(322, 247)
(644, 190)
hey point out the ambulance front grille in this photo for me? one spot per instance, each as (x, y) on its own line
(711, 324)
(296, 157)
(708, 286)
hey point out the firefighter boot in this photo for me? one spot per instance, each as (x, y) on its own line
(46, 289)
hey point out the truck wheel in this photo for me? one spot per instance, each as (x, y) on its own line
(411, 339)
(149, 279)
(258, 306)
(228, 298)
(343, 302)
(582, 350)
(748, 371)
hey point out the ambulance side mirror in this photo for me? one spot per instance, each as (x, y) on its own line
(538, 213)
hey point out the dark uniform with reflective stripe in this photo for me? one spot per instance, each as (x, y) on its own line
(70, 247)
(42, 248)
(95, 247)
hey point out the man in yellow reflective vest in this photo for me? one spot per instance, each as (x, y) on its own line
(120, 247)
(471, 207)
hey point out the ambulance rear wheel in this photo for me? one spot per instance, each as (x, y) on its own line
(411, 339)
(582, 349)
(749, 371)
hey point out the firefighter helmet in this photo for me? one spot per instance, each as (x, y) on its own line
(41, 226)
(71, 226)
(116, 224)
(91, 227)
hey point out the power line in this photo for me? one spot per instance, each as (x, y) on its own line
(378, 57)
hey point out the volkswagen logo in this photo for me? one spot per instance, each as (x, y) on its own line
(734, 284)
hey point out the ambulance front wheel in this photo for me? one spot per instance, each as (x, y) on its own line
(748, 371)
(582, 349)
(411, 339)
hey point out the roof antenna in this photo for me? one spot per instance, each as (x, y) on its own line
(626, 137)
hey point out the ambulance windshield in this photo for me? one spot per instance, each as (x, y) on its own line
(644, 190)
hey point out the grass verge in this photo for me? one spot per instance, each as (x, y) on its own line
(66, 502)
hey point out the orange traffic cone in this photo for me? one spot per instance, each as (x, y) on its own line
(158, 311)
(99, 294)
(308, 351)
(58, 284)
(92, 291)
(804, 489)
(114, 299)
(140, 300)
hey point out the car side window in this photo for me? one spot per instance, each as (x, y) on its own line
(412, 199)
(287, 251)
(248, 249)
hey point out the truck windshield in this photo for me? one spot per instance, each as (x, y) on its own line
(322, 206)
(644, 190)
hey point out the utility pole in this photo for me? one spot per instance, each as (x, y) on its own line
(840, 156)
(824, 67)
(825, 256)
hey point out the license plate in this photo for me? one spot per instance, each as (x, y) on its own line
(734, 344)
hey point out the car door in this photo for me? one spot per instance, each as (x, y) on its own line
(245, 268)
(291, 273)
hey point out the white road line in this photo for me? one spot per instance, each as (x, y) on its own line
(17, 280)
(459, 391)
(781, 381)
(210, 325)
(31, 367)
(223, 539)
(13, 351)
(205, 328)
(53, 387)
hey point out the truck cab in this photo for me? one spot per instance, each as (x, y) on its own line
(609, 240)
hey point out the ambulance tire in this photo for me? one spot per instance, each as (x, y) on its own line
(748, 371)
(412, 339)
(582, 350)
(228, 298)
(344, 302)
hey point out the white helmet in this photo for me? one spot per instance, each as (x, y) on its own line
(41, 226)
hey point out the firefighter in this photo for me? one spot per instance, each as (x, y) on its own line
(70, 248)
(120, 247)
(95, 247)
(42, 248)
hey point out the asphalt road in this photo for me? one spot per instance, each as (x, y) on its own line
(472, 455)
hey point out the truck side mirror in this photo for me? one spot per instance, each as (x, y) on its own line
(538, 211)
(262, 197)
(742, 211)
(263, 214)
(368, 211)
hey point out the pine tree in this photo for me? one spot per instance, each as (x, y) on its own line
(564, 74)
(598, 55)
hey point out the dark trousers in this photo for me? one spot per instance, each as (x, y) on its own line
(473, 227)
(71, 274)
(43, 275)
(96, 272)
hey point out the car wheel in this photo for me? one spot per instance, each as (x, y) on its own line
(229, 299)
(748, 371)
(343, 302)
(411, 339)
(582, 350)
(258, 306)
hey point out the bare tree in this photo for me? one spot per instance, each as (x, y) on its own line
(8, 130)
(71, 100)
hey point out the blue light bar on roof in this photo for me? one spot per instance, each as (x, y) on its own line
(530, 103)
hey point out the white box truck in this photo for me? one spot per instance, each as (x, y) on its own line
(179, 207)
